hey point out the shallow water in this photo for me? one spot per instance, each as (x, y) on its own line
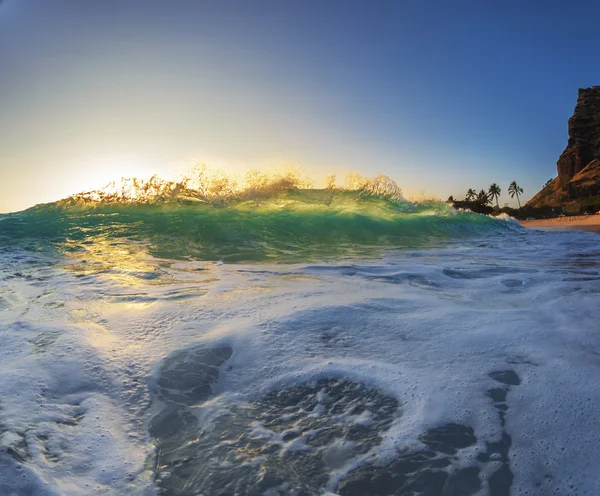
(594, 229)
(459, 362)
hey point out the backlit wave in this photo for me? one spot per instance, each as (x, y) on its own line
(277, 218)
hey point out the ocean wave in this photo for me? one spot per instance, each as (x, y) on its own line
(298, 224)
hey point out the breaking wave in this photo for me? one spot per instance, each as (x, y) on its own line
(278, 217)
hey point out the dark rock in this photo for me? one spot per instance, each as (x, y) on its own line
(584, 135)
(578, 166)
(585, 183)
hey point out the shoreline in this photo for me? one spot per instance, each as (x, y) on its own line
(585, 222)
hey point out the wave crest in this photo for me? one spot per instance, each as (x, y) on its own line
(208, 185)
(209, 215)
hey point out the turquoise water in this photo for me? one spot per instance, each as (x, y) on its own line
(290, 226)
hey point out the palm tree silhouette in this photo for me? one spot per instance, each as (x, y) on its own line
(494, 193)
(470, 194)
(515, 189)
(483, 197)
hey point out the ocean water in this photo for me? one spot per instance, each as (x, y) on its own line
(301, 344)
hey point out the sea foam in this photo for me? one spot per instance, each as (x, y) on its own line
(463, 365)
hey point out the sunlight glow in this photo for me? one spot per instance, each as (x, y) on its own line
(98, 172)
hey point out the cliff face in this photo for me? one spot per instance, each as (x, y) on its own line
(584, 135)
(579, 164)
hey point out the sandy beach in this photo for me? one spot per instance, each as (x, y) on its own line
(577, 222)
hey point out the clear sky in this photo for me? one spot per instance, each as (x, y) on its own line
(439, 95)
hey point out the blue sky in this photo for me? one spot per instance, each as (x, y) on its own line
(441, 96)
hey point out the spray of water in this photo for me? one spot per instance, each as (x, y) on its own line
(209, 185)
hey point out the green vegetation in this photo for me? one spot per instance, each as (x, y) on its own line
(476, 202)
(494, 193)
(589, 205)
(480, 202)
(482, 197)
(515, 189)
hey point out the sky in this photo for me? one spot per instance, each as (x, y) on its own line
(441, 96)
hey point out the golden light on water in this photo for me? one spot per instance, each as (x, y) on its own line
(123, 262)
(208, 184)
(100, 171)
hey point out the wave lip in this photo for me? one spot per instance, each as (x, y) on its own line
(208, 185)
(270, 218)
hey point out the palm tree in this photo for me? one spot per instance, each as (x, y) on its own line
(470, 194)
(494, 193)
(483, 197)
(515, 189)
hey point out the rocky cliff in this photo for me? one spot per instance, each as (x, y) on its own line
(578, 183)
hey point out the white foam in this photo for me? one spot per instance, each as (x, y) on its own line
(429, 342)
(59, 411)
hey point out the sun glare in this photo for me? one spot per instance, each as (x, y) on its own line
(97, 173)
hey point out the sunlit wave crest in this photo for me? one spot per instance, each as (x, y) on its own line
(278, 217)
(208, 185)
